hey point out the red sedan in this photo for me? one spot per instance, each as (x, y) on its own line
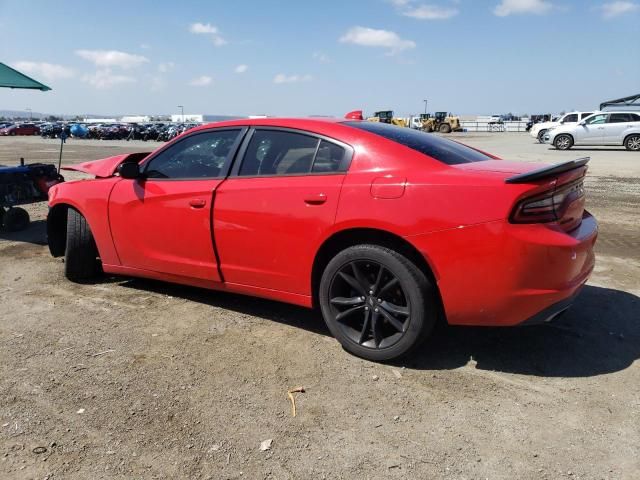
(384, 228)
(20, 129)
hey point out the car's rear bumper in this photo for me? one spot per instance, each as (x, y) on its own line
(552, 312)
(501, 274)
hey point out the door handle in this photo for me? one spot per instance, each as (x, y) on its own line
(315, 199)
(197, 203)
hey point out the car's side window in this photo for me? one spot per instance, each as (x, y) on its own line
(202, 155)
(585, 115)
(634, 117)
(273, 152)
(570, 118)
(596, 119)
(619, 118)
(329, 158)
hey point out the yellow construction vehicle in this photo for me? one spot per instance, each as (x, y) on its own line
(386, 116)
(442, 122)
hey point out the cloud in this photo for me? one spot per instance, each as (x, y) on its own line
(103, 79)
(519, 7)
(370, 37)
(210, 30)
(282, 78)
(321, 57)
(615, 9)
(166, 67)
(202, 28)
(430, 12)
(112, 58)
(241, 68)
(201, 81)
(145, 46)
(49, 71)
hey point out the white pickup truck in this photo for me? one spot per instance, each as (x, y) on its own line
(539, 130)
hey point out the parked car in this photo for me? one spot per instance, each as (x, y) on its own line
(607, 128)
(539, 130)
(20, 129)
(387, 230)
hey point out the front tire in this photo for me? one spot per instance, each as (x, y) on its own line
(377, 303)
(81, 264)
(445, 128)
(541, 134)
(632, 143)
(563, 142)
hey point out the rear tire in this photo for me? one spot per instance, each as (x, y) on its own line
(15, 219)
(81, 263)
(563, 142)
(632, 143)
(377, 303)
(445, 128)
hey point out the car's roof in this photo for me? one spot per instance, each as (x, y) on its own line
(291, 122)
(620, 111)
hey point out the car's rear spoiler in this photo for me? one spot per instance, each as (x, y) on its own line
(549, 171)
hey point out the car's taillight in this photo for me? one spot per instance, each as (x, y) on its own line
(552, 206)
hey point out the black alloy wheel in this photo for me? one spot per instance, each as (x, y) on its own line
(369, 304)
(376, 302)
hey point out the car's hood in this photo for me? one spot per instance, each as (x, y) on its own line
(106, 167)
(546, 125)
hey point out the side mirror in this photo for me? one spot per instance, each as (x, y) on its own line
(130, 170)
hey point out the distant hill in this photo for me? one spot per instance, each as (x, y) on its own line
(39, 115)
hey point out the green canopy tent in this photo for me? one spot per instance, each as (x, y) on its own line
(16, 218)
(11, 78)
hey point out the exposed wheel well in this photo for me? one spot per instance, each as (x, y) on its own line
(357, 236)
(57, 229)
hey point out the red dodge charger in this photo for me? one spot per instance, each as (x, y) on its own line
(385, 229)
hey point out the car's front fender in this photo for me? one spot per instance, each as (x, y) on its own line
(91, 199)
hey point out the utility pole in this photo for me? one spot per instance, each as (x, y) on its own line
(30, 113)
(181, 107)
(425, 106)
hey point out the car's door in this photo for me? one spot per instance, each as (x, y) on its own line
(591, 130)
(162, 221)
(271, 214)
(614, 129)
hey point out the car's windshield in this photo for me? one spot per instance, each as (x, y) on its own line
(441, 149)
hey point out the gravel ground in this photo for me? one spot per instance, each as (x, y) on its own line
(138, 379)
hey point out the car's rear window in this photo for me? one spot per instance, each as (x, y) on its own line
(446, 151)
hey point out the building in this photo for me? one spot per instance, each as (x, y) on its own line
(136, 119)
(187, 117)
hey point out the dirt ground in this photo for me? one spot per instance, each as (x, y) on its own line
(138, 379)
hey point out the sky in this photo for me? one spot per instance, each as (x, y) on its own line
(298, 58)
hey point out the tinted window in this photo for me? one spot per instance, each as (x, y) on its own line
(439, 148)
(585, 115)
(619, 118)
(635, 117)
(272, 152)
(571, 118)
(204, 155)
(329, 157)
(596, 119)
